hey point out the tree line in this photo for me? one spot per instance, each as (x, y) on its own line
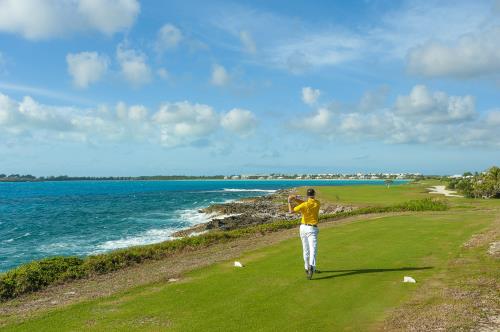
(479, 185)
(32, 178)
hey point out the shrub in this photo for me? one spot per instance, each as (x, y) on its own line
(39, 274)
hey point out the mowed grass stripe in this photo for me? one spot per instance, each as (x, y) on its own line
(363, 263)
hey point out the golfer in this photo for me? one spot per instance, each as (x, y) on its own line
(308, 227)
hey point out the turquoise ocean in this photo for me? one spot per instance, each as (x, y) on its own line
(42, 219)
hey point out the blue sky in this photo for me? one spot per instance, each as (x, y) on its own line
(128, 87)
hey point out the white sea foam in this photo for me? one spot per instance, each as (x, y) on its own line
(194, 216)
(238, 190)
(148, 237)
(223, 216)
(58, 247)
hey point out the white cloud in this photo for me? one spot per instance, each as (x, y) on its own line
(220, 77)
(248, 42)
(298, 46)
(239, 121)
(472, 55)
(134, 113)
(169, 36)
(173, 124)
(133, 65)
(310, 95)
(86, 67)
(493, 118)
(435, 107)
(43, 19)
(183, 123)
(55, 95)
(316, 50)
(422, 116)
(319, 122)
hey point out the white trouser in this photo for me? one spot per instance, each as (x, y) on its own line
(309, 237)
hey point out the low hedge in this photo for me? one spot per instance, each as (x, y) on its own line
(39, 274)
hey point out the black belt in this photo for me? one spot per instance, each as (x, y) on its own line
(310, 225)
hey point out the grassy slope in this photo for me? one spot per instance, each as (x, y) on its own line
(364, 263)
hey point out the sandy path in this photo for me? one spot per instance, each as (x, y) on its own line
(443, 191)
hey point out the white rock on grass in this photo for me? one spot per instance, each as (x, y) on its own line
(409, 279)
(238, 264)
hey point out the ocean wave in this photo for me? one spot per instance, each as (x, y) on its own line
(249, 190)
(194, 216)
(235, 190)
(70, 245)
(148, 237)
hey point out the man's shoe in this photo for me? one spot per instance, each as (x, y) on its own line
(310, 272)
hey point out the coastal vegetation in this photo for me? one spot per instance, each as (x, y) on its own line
(272, 176)
(484, 185)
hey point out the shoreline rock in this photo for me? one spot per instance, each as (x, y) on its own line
(252, 211)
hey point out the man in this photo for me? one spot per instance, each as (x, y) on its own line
(308, 227)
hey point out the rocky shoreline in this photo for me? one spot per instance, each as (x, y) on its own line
(252, 211)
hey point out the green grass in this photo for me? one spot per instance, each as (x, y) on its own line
(39, 274)
(363, 262)
(374, 195)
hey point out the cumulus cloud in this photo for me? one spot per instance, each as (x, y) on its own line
(183, 123)
(310, 95)
(435, 107)
(43, 19)
(135, 113)
(173, 124)
(422, 117)
(248, 42)
(239, 121)
(86, 67)
(169, 36)
(133, 65)
(472, 55)
(220, 76)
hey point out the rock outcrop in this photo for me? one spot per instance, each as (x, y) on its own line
(252, 211)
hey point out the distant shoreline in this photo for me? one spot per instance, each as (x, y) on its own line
(197, 179)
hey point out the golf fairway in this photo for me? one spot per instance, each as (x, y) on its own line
(363, 264)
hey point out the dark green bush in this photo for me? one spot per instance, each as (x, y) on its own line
(39, 274)
(36, 275)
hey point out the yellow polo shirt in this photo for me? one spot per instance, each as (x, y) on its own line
(309, 210)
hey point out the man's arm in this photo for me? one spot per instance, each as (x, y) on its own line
(293, 198)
